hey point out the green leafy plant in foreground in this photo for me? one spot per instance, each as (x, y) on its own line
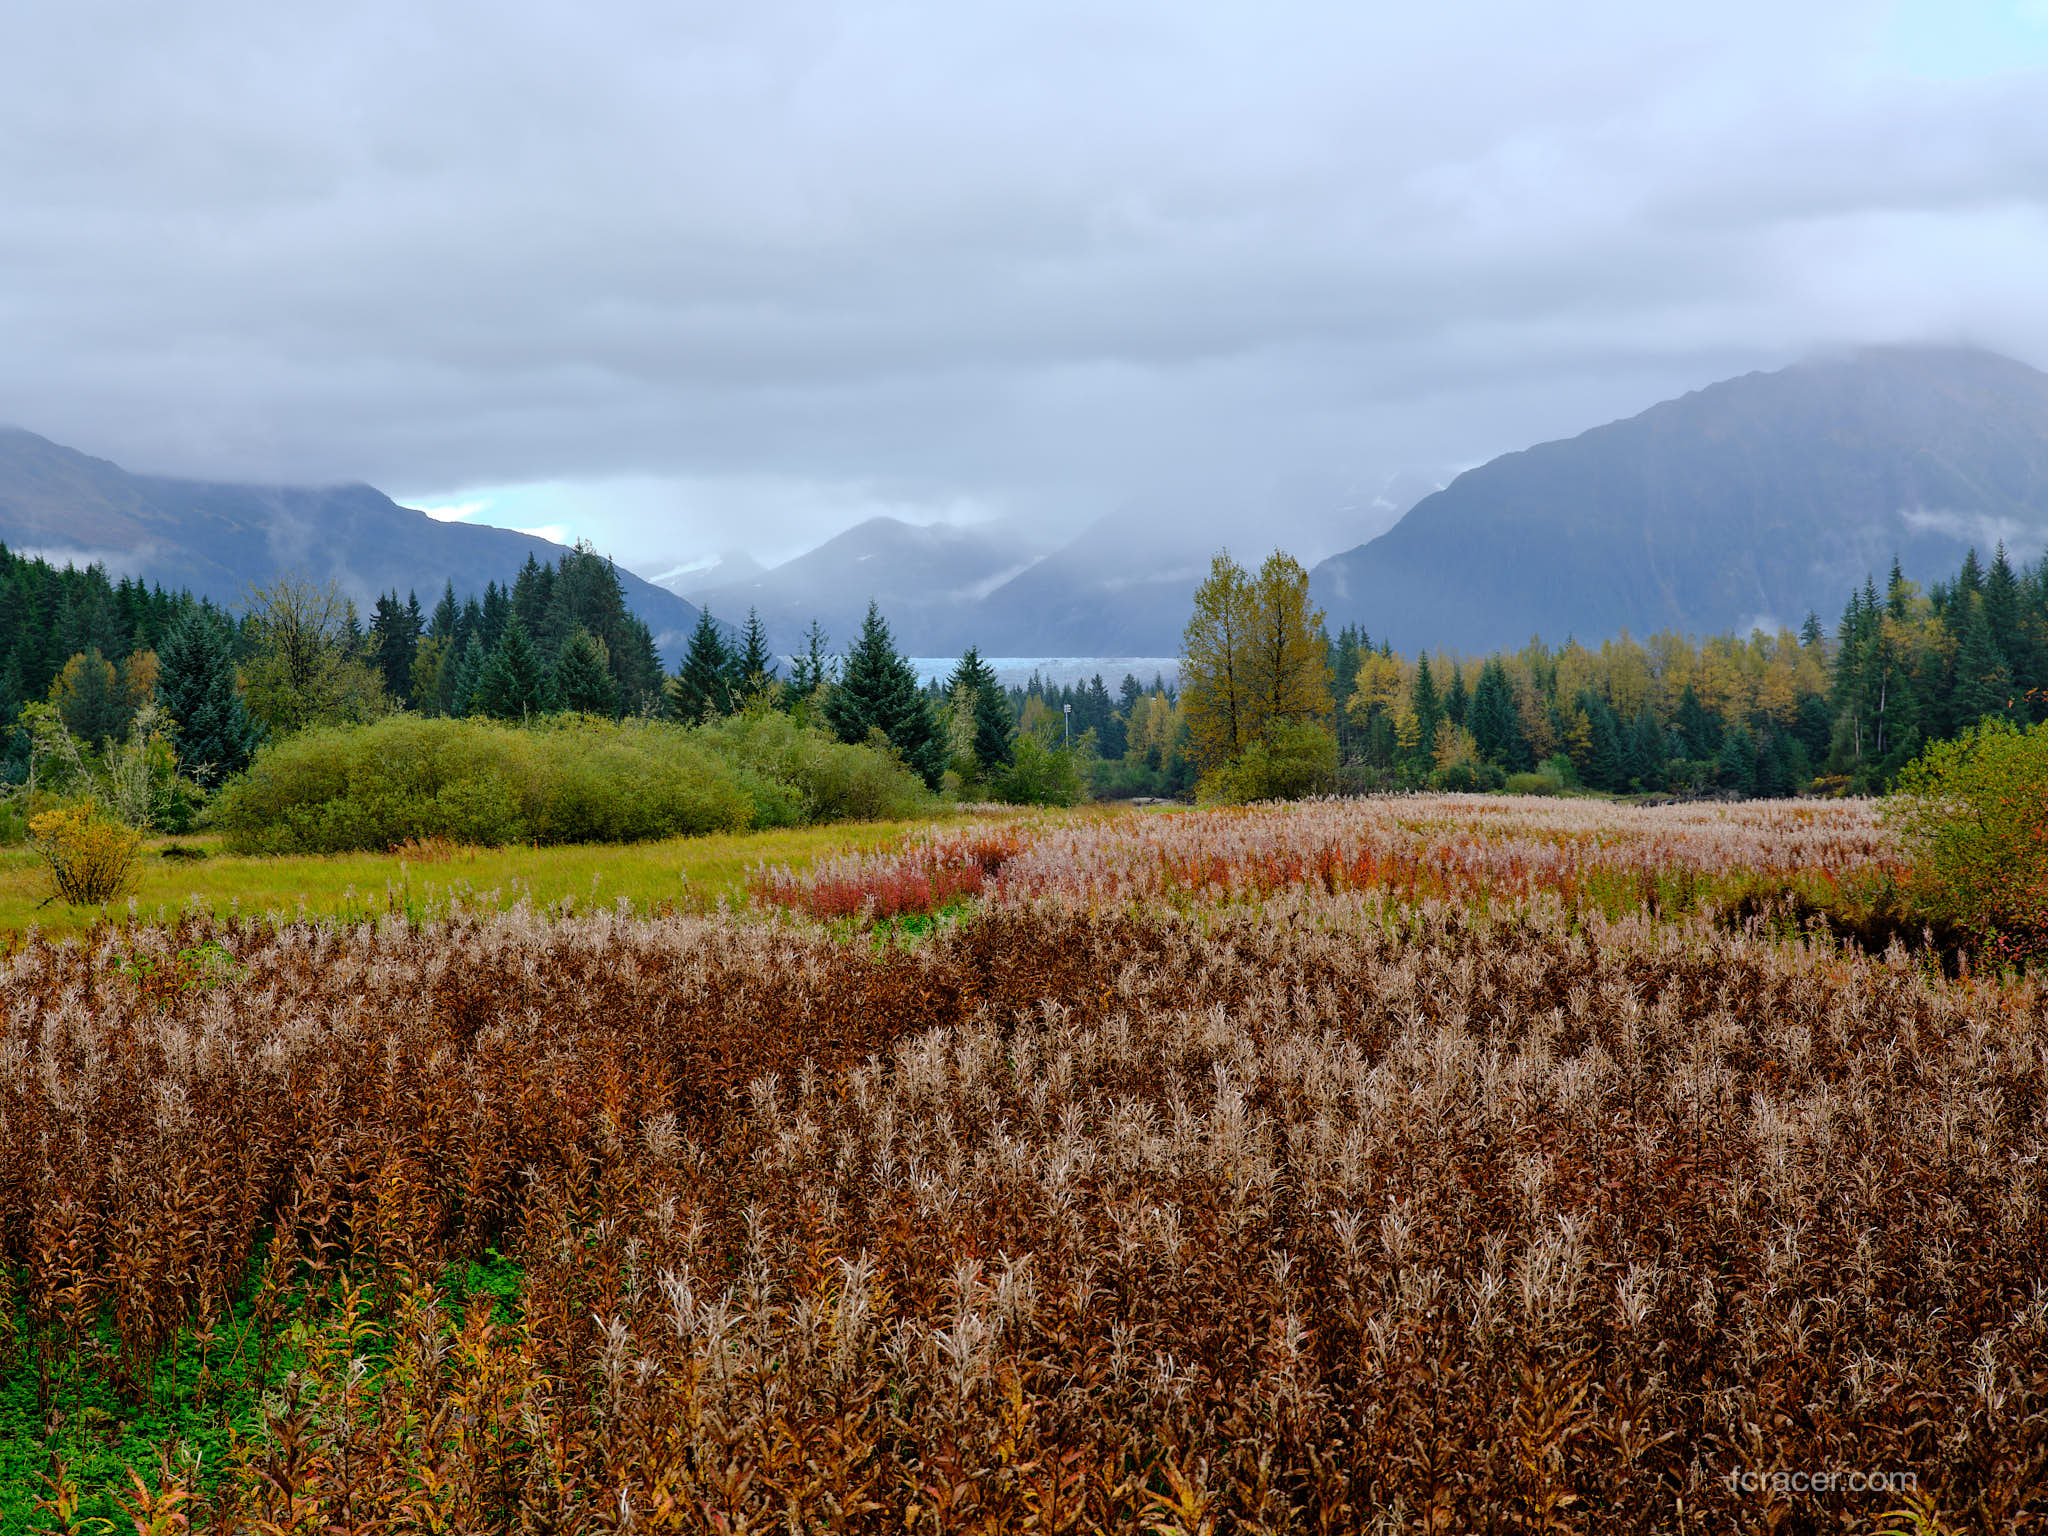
(1974, 816)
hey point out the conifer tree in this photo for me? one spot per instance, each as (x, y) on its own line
(582, 678)
(395, 642)
(1697, 726)
(1456, 698)
(879, 692)
(754, 665)
(1643, 751)
(2002, 609)
(702, 687)
(1428, 714)
(1983, 680)
(497, 613)
(464, 676)
(447, 614)
(811, 669)
(513, 684)
(1604, 749)
(992, 718)
(211, 731)
(1735, 763)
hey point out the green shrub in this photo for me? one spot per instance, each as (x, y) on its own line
(1039, 775)
(1465, 777)
(1297, 758)
(1533, 784)
(1973, 813)
(569, 779)
(804, 774)
(472, 781)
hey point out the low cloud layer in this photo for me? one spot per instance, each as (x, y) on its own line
(691, 277)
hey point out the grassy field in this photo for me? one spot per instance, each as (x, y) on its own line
(684, 874)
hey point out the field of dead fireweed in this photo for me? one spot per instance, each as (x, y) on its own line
(1426, 1165)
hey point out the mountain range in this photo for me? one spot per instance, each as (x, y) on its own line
(1744, 504)
(1747, 503)
(1119, 589)
(218, 539)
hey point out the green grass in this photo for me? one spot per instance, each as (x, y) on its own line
(683, 874)
(198, 1399)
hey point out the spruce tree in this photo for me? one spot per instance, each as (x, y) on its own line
(754, 665)
(1701, 731)
(395, 642)
(497, 613)
(1983, 680)
(992, 719)
(1456, 699)
(1735, 763)
(447, 614)
(1604, 769)
(810, 670)
(702, 686)
(582, 678)
(1495, 722)
(1643, 753)
(879, 691)
(2002, 609)
(1428, 713)
(464, 676)
(513, 684)
(211, 733)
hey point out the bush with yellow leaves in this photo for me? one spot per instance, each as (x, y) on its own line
(90, 857)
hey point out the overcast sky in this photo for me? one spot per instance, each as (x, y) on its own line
(681, 277)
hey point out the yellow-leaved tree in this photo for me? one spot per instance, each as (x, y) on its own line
(1254, 674)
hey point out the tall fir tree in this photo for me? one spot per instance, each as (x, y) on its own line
(447, 614)
(1456, 699)
(1983, 681)
(211, 731)
(513, 685)
(395, 642)
(1428, 714)
(992, 719)
(754, 665)
(879, 691)
(582, 678)
(464, 676)
(497, 613)
(702, 687)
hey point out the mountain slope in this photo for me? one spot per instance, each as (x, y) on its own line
(1750, 501)
(218, 539)
(1120, 589)
(932, 583)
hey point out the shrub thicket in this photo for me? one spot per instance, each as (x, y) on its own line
(1974, 815)
(472, 781)
(1039, 775)
(799, 775)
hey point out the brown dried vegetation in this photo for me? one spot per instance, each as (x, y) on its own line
(1335, 1216)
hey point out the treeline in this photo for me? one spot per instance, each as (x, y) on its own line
(1268, 703)
(1279, 707)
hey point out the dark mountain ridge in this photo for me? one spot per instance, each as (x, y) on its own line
(218, 539)
(1748, 502)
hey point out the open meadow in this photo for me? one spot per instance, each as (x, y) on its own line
(1454, 1164)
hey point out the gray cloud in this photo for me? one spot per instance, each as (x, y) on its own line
(773, 266)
